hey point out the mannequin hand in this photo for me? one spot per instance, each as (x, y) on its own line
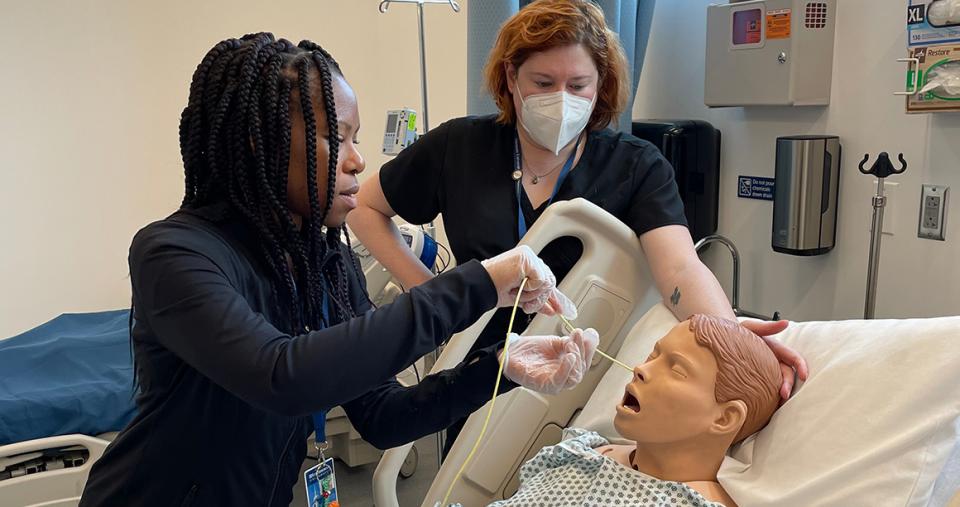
(790, 360)
(550, 364)
(540, 294)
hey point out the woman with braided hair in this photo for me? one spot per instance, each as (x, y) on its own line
(250, 318)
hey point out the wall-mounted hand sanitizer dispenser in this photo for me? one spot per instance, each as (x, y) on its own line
(805, 194)
(770, 53)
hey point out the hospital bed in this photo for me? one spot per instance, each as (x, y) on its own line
(876, 424)
(885, 397)
(66, 389)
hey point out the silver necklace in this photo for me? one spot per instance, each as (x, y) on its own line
(536, 177)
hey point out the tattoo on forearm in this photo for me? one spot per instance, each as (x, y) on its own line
(675, 298)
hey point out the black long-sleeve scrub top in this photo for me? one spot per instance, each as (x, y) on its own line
(226, 397)
(463, 169)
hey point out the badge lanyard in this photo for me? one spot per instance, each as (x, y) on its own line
(518, 177)
(320, 480)
(320, 418)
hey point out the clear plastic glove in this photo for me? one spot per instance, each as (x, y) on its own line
(944, 13)
(550, 364)
(945, 78)
(540, 294)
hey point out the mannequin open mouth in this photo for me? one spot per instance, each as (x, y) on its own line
(630, 402)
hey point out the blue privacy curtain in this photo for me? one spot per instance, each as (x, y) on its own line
(631, 19)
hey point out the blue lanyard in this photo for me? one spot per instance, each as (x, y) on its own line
(567, 166)
(324, 307)
(320, 418)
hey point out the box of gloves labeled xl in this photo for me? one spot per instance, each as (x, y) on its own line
(933, 29)
(931, 22)
(935, 78)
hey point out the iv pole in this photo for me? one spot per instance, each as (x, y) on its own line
(423, 57)
(426, 128)
(881, 169)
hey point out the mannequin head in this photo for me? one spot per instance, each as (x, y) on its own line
(709, 382)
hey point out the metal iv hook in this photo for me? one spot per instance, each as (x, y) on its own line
(386, 3)
(882, 167)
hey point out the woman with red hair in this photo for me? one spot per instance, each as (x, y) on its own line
(558, 76)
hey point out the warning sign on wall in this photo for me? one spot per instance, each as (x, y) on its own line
(778, 24)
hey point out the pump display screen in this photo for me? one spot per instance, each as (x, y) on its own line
(392, 123)
(747, 26)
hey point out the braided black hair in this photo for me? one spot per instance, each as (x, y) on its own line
(235, 138)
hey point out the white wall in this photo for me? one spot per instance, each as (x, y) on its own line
(917, 277)
(90, 100)
(92, 91)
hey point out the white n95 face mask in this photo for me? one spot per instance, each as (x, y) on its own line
(554, 119)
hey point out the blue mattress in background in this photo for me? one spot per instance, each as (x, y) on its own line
(73, 374)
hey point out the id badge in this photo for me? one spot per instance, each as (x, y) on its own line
(321, 485)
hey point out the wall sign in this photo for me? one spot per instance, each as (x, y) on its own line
(753, 187)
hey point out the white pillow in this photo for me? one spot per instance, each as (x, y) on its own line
(873, 425)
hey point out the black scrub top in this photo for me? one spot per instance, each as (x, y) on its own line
(227, 389)
(463, 169)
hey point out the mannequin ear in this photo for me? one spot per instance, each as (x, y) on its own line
(729, 418)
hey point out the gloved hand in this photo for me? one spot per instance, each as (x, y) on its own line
(540, 294)
(550, 364)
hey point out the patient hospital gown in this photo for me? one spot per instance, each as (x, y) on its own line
(572, 473)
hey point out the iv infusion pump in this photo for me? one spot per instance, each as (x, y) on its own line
(400, 132)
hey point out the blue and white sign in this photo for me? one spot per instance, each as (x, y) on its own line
(753, 187)
(924, 31)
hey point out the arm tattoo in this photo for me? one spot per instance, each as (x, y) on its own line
(675, 298)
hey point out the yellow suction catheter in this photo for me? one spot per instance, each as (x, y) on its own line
(603, 354)
(496, 387)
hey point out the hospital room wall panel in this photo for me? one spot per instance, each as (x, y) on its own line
(91, 98)
(930, 275)
(93, 91)
(917, 277)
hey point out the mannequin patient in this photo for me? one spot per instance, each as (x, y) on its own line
(708, 384)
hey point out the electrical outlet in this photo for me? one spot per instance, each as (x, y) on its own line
(933, 212)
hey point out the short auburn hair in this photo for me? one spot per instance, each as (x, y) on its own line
(546, 24)
(747, 370)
